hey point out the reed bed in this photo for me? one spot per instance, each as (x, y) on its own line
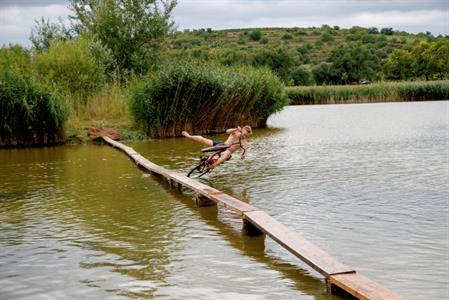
(205, 98)
(379, 92)
(30, 114)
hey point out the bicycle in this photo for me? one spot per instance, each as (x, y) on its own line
(205, 164)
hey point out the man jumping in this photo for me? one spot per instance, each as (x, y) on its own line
(237, 140)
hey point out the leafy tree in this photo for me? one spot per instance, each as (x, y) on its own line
(423, 60)
(326, 37)
(44, 32)
(387, 31)
(255, 35)
(430, 60)
(279, 60)
(373, 30)
(325, 74)
(399, 65)
(353, 63)
(133, 30)
(301, 76)
(70, 65)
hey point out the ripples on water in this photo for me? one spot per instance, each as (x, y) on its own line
(368, 183)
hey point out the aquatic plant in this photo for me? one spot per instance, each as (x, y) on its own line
(205, 98)
(30, 114)
(379, 92)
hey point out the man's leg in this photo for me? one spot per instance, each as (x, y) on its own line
(223, 157)
(198, 138)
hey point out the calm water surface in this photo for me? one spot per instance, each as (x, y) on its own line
(368, 183)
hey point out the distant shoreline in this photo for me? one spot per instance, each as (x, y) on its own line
(369, 93)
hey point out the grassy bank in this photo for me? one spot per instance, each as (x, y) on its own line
(378, 92)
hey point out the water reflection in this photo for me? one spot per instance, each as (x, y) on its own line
(366, 183)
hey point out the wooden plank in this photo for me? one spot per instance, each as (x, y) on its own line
(337, 274)
(227, 201)
(362, 288)
(130, 151)
(231, 202)
(311, 254)
(145, 163)
(196, 186)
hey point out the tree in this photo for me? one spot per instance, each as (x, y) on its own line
(278, 59)
(352, 63)
(324, 74)
(387, 31)
(430, 60)
(423, 60)
(44, 32)
(399, 65)
(70, 65)
(301, 76)
(133, 30)
(255, 35)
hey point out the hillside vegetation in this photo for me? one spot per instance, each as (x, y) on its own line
(325, 55)
(144, 78)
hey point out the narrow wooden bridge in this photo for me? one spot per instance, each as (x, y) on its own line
(339, 277)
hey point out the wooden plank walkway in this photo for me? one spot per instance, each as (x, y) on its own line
(336, 274)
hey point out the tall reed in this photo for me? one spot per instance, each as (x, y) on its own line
(30, 114)
(205, 98)
(379, 92)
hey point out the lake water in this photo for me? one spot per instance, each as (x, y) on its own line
(368, 183)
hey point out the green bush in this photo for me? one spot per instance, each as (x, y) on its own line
(205, 98)
(301, 76)
(255, 35)
(72, 66)
(29, 113)
(264, 40)
(16, 58)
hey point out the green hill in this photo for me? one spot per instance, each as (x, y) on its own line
(286, 49)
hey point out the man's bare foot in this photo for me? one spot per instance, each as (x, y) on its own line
(186, 134)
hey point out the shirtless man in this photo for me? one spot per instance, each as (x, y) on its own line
(238, 140)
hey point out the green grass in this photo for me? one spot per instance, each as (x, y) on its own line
(378, 92)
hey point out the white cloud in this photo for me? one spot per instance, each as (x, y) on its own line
(412, 15)
(16, 22)
(17, 16)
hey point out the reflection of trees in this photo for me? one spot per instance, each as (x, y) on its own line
(27, 180)
(118, 217)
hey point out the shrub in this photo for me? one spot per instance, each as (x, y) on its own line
(287, 36)
(279, 59)
(29, 113)
(16, 58)
(70, 65)
(264, 40)
(326, 37)
(205, 98)
(387, 31)
(255, 35)
(301, 76)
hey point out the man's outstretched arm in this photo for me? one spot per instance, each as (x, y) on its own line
(231, 130)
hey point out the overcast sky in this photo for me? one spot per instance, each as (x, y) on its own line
(17, 16)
